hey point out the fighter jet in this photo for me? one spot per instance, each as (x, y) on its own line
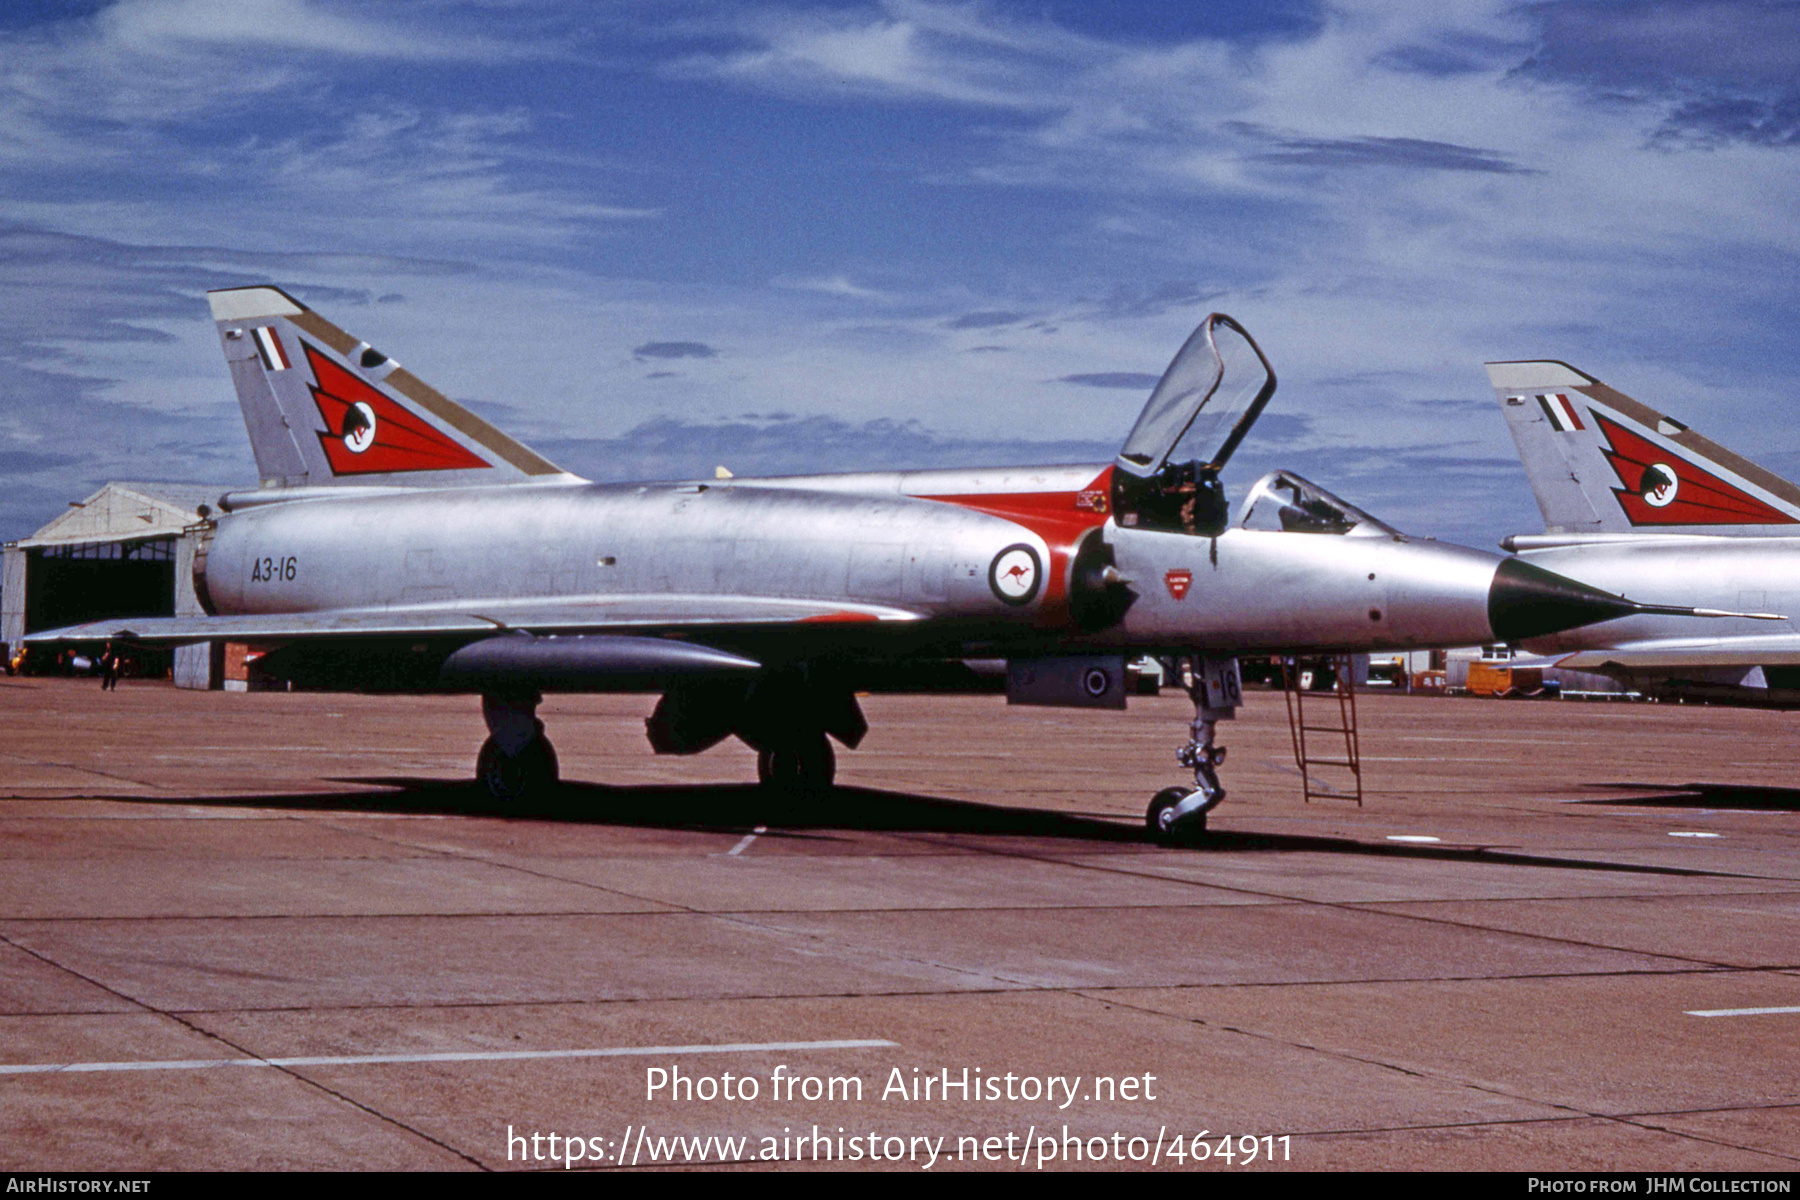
(1634, 499)
(399, 542)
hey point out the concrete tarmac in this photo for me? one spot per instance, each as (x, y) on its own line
(283, 931)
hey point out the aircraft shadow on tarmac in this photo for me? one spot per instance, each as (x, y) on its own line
(738, 808)
(720, 808)
(1703, 795)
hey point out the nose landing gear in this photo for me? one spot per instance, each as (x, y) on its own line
(1177, 815)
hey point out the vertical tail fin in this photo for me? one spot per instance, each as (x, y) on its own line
(325, 409)
(1600, 462)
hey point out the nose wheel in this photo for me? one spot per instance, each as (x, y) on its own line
(1177, 815)
(1165, 823)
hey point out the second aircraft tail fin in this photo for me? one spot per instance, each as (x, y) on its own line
(324, 408)
(1600, 462)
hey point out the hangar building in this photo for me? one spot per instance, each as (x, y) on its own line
(125, 551)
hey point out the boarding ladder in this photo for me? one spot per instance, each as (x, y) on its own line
(1325, 743)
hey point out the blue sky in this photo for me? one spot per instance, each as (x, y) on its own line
(653, 237)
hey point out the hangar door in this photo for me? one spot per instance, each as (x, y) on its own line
(91, 581)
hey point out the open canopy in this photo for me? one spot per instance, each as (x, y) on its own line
(1205, 403)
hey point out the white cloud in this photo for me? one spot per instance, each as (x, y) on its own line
(104, 90)
(428, 178)
(906, 48)
(1396, 232)
(167, 27)
(200, 120)
(831, 285)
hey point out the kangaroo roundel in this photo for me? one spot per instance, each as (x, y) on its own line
(1015, 574)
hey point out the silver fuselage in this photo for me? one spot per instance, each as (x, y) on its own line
(857, 540)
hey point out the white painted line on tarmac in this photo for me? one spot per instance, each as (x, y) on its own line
(745, 843)
(1692, 833)
(1741, 1012)
(1412, 837)
(358, 1060)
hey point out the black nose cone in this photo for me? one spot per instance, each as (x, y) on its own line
(1527, 601)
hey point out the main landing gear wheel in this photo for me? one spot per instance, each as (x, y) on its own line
(1165, 826)
(527, 774)
(805, 769)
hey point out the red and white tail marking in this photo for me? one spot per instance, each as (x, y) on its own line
(323, 407)
(366, 433)
(1563, 416)
(1662, 487)
(268, 346)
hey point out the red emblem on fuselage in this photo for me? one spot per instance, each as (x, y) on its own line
(366, 433)
(1178, 582)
